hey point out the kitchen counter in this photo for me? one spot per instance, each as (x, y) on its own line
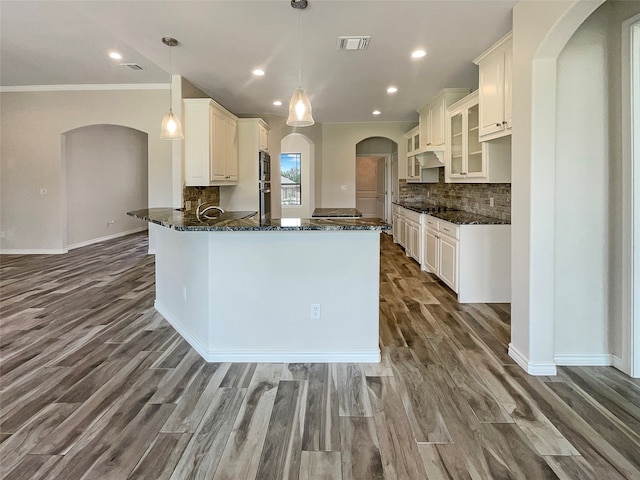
(450, 215)
(336, 212)
(245, 221)
(287, 290)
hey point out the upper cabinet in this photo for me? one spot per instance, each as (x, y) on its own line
(265, 136)
(468, 160)
(495, 89)
(432, 118)
(210, 144)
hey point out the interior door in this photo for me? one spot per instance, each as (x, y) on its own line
(381, 190)
(366, 186)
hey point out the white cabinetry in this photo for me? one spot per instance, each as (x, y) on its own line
(432, 117)
(495, 89)
(244, 195)
(407, 231)
(473, 260)
(265, 137)
(210, 144)
(467, 160)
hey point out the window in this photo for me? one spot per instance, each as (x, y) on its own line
(290, 182)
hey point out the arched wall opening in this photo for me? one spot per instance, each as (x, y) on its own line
(566, 235)
(298, 143)
(106, 175)
(376, 157)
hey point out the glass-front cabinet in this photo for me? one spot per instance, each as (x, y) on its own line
(467, 160)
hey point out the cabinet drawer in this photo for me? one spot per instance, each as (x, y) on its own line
(411, 215)
(449, 229)
(431, 222)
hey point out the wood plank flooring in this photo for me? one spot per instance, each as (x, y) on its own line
(96, 385)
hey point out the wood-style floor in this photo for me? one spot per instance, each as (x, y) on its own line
(96, 385)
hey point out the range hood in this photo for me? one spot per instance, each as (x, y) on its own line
(431, 156)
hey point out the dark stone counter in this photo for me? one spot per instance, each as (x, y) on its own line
(451, 215)
(246, 221)
(337, 212)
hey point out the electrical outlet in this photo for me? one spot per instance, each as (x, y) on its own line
(187, 205)
(43, 191)
(315, 311)
(110, 222)
(184, 293)
(491, 201)
(343, 188)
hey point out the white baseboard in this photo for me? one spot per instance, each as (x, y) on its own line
(538, 369)
(33, 251)
(108, 237)
(583, 359)
(191, 340)
(266, 356)
(617, 362)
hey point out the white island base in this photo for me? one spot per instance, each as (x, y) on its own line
(247, 296)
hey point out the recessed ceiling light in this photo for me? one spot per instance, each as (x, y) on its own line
(115, 55)
(392, 90)
(377, 112)
(418, 54)
(277, 103)
(258, 73)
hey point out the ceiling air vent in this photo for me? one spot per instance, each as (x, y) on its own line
(132, 66)
(353, 43)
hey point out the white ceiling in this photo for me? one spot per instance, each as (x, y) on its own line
(221, 42)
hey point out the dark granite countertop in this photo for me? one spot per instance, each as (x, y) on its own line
(457, 217)
(336, 212)
(243, 221)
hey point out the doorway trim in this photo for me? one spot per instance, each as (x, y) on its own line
(387, 179)
(630, 361)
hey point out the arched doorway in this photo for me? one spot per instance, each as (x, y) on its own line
(106, 176)
(376, 161)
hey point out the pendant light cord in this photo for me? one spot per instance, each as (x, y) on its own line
(299, 50)
(170, 82)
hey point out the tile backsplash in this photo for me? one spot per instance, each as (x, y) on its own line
(468, 197)
(204, 194)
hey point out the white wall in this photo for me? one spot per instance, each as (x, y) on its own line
(582, 210)
(339, 154)
(540, 32)
(31, 125)
(299, 143)
(106, 176)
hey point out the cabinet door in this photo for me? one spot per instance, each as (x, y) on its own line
(231, 149)
(456, 163)
(508, 61)
(492, 94)
(426, 131)
(396, 227)
(448, 265)
(409, 144)
(437, 123)
(475, 160)
(415, 242)
(264, 139)
(196, 144)
(430, 253)
(217, 148)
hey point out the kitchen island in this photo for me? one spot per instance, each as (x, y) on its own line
(239, 289)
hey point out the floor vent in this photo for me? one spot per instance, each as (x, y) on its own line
(132, 66)
(353, 43)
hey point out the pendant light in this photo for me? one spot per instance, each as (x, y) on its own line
(171, 127)
(299, 106)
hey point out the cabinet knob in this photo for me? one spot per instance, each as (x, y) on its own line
(504, 122)
(498, 124)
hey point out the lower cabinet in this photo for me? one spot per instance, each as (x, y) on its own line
(473, 260)
(407, 231)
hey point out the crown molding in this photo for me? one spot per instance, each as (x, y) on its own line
(85, 87)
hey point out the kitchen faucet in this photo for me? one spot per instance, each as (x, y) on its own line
(201, 210)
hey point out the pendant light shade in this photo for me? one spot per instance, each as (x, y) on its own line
(299, 107)
(300, 114)
(170, 126)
